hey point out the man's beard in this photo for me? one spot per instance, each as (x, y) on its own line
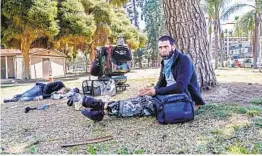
(168, 56)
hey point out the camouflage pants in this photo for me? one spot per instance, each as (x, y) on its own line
(138, 106)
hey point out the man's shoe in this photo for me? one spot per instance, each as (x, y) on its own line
(95, 115)
(11, 100)
(76, 97)
(70, 102)
(76, 105)
(91, 102)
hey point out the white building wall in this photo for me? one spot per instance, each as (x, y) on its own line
(36, 69)
(57, 66)
(19, 67)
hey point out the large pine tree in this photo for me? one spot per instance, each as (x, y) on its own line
(185, 22)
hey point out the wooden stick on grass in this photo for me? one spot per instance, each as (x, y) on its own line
(89, 141)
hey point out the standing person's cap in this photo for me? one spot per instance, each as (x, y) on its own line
(120, 40)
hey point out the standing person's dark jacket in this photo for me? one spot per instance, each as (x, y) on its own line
(51, 87)
(185, 77)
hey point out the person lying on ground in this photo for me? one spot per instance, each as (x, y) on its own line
(64, 93)
(177, 76)
(38, 92)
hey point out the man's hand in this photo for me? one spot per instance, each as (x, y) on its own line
(147, 91)
(142, 90)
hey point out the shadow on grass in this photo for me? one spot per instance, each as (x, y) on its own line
(19, 82)
(22, 82)
(2, 87)
(224, 68)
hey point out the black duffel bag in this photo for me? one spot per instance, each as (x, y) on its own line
(174, 108)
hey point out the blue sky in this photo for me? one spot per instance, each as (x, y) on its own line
(229, 20)
(238, 13)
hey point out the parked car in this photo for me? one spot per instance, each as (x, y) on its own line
(79, 68)
(248, 63)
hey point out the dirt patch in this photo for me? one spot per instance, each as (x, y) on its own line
(242, 93)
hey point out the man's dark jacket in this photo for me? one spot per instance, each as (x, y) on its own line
(185, 77)
(52, 87)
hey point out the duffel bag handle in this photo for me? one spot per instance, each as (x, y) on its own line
(172, 98)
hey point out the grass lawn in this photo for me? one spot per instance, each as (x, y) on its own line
(230, 123)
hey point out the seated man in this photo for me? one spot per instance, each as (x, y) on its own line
(177, 76)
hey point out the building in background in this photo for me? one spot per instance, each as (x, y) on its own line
(42, 63)
(237, 47)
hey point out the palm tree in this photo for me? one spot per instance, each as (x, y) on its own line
(247, 23)
(213, 9)
(208, 8)
(252, 21)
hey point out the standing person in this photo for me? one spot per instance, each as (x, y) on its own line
(177, 76)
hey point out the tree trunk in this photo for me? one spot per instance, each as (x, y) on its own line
(256, 40)
(135, 14)
(158, 60)
(86, 62)
(153, 63)
(140, 61)
(224, 51)
(210, 37)
(216, 43)
(186, 23)
(240, 46)
(100, 38)
(222, 45)
(92, 55)
(25, 46)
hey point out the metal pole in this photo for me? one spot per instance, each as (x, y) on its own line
(259, 41)
(227, 44)
(6, 65)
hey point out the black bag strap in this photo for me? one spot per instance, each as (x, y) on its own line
(172, 98)
(92, 88)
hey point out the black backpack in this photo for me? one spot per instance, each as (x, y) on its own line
(121, 54)
(96, 68)
(97, 64)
